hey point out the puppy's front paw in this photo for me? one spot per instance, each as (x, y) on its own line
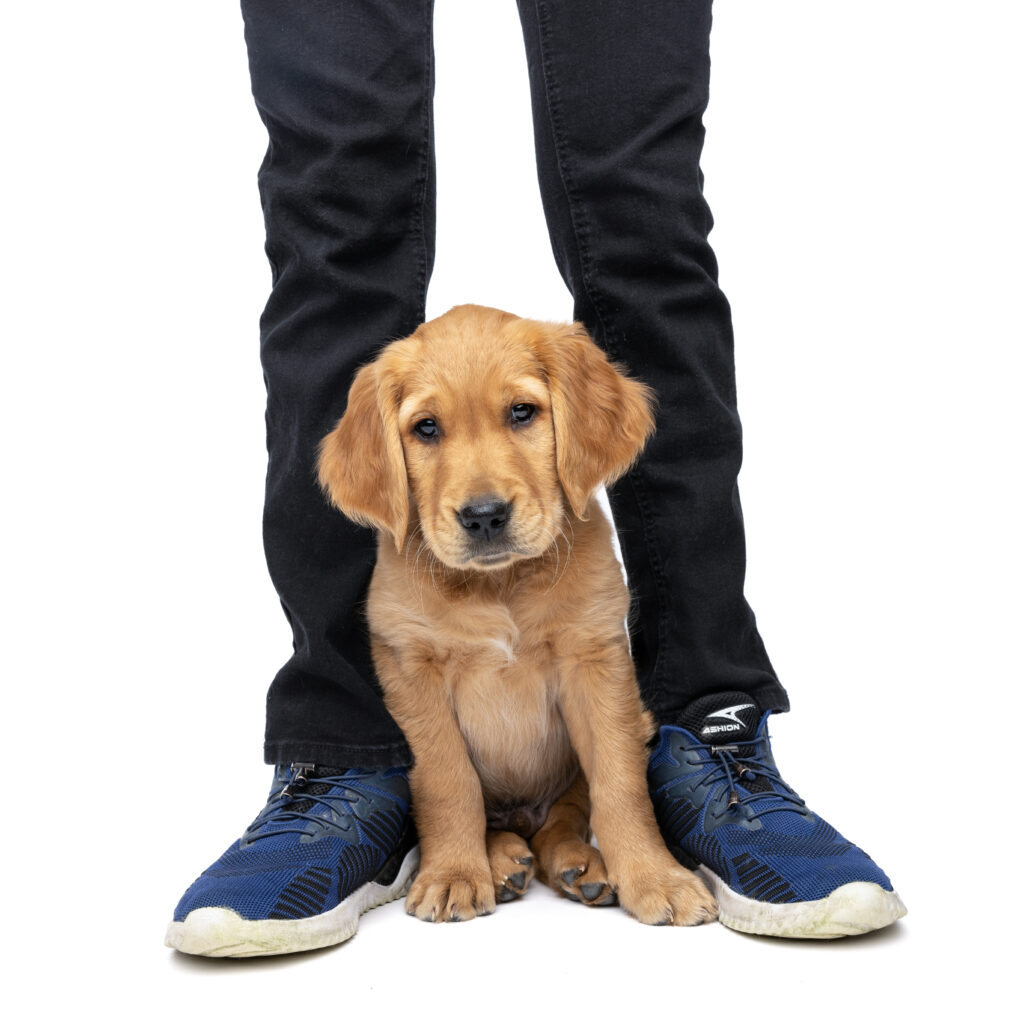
(668, 895)
(451, 894)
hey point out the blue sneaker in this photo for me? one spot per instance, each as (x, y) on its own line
(329, 845)
(774, 866)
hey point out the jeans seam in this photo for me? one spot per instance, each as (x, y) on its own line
(422, 180)
(660, 580)
(581, 230)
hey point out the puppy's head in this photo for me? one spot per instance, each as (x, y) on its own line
(485, 428)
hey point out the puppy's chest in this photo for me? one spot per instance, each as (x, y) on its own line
(508, 714)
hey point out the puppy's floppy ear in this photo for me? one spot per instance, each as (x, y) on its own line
(602, 419)
(361, 465)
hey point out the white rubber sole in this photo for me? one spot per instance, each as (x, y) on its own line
(218, 931)
(852, 909)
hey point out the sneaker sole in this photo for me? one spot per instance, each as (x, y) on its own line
(852, 909)
(219, 931)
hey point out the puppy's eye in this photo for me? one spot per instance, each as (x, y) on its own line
(523, 412)
(427, 429)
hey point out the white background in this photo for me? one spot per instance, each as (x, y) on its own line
(863, 163)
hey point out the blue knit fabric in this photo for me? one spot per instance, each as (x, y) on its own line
(310, 848)
(726, 806)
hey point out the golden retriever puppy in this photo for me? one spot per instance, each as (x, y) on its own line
(497, 612)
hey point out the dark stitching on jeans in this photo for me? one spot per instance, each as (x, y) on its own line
(581, 231)
(335, 746)
(424, 173)
(324, 751)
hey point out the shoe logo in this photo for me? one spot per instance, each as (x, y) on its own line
(731, 715)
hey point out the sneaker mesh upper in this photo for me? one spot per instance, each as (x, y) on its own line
(763, 843)
(302, 857)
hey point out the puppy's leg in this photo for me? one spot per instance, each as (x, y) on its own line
(511, 864)
(609, 728)
(454, 881)
(565, 859)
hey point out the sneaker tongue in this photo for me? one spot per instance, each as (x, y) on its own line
(730, 717)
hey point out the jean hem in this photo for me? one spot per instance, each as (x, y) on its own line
(337, 755)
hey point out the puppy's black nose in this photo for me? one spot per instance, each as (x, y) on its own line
(486, 520)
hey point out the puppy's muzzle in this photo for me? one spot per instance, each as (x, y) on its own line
(485, 519)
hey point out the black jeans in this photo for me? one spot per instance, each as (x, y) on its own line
(345, 90)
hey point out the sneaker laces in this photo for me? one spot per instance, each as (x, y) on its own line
(283, 820)
(744, 771)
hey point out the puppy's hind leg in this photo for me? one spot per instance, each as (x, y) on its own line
(511, 864)
(565, 859)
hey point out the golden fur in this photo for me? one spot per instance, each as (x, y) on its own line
(506, 662)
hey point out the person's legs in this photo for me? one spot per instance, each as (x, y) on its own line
(618, 94)
(345, 91)
(347, 186)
